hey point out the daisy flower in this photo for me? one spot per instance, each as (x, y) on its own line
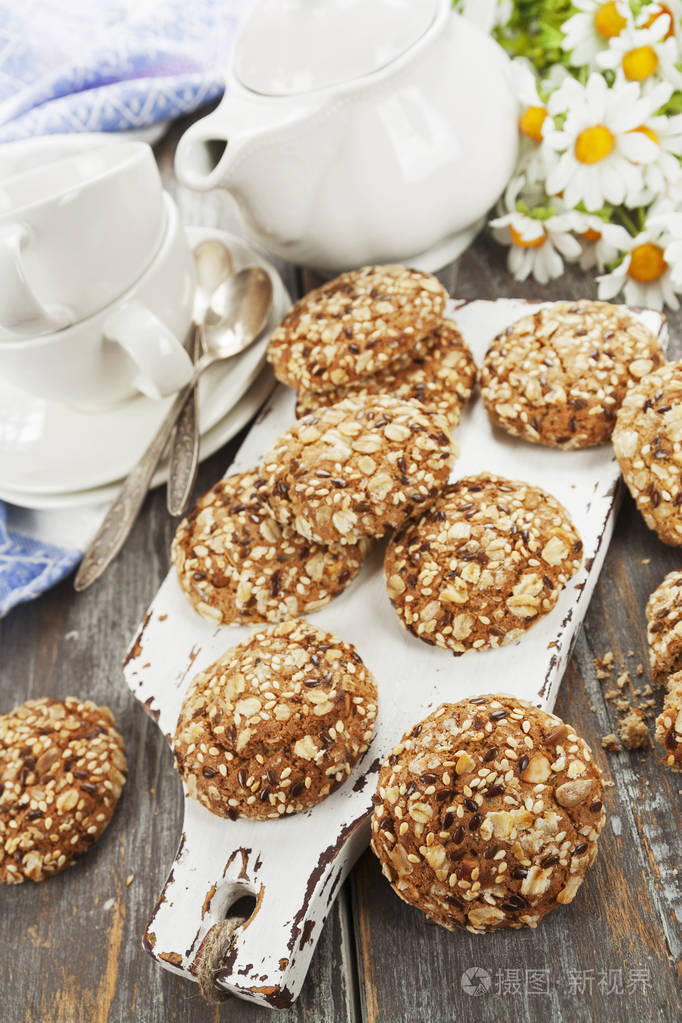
(601, 242)
(601, 155)
(644, 54)
(644, 274)
(588, 31)
(537, 246)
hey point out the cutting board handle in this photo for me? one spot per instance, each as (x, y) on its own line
(267, 956)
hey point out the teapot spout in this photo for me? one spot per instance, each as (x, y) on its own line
(209, 150)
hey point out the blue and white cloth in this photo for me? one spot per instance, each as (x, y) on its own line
(88, 66)
(109, 65)
(29, 563)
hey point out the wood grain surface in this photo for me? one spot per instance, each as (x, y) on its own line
(70, 947)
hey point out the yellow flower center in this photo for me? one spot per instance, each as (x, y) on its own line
(640, 63)
(531, 122)
(523, 243)
(647, 263)
(658, 14)
(608, 21)
(591, 235)
(594, 144)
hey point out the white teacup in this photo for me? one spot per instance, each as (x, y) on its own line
(75, 233)
(135, 343)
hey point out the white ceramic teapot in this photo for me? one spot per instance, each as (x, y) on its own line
(359, 131)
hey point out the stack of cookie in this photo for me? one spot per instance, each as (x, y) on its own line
(285, 538)
(378, 330)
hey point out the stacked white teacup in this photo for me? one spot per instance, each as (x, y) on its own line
(96, 279)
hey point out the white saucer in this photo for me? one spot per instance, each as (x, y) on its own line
(211, 441)
(48, 449)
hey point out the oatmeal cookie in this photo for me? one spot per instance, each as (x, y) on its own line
(487, 814)
(276, 724)
(647, 440)
(236, 564)
(669, 723)
(355, 325)
(558, 376)
(442, 378)
(488, 559)
(664, 627)
(358, 468)
(62, 768)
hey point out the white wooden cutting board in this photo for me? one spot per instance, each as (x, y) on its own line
(295, 866)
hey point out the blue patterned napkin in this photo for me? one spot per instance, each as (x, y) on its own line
(39, 548)
(95, 65)
(109, 65)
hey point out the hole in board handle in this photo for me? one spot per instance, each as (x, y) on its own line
(243, 906)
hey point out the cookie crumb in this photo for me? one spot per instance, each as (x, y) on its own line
(611, 744)
(633, 731)
(623, 679)
(129, 880)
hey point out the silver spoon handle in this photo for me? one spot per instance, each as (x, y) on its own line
(184, 452)
(120, 518)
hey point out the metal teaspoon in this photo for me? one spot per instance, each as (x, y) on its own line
(213, 264)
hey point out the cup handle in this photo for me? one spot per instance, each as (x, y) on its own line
(163, 365)
(21, 311)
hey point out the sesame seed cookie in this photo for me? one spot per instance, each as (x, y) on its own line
(484, 563)
(62, 767)
(236, 564)
(355, 325)
(359, 468)
(669, 723)
(558, 376)
(441, 378)
(276, 724)
(647, 440)
(487, 814)
(664, 627)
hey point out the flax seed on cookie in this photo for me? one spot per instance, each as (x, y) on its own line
(276, 724)
(441, 378)
(355, 325)
(359, 468)
(647, 440)
(486, 561)
(62, 768)
(237, 564)
(558, 376)
(487, 814)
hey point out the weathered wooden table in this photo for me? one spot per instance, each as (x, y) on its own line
(70, 948)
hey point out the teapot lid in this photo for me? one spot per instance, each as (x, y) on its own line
(289, 47)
